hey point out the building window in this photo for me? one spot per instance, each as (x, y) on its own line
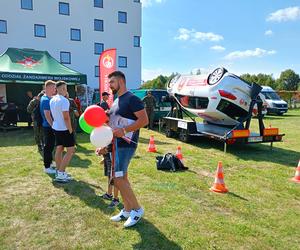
(136, 1)
(65, 57)
(98, 3)
(3, 26)
(64, 8)
(98, 25)
(99, 47)
(75, 35)
(96, 71)
(26, 5)
(39, 30)
(122, 17)
(122, 61)
(136, 41)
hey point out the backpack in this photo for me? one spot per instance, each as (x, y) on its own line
(169, 162)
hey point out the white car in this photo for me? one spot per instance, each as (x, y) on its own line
(220, 97)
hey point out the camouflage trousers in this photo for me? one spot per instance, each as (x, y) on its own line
(38, 134)
(150, 114)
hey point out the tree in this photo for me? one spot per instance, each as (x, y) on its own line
(261, 79)
(288, 80)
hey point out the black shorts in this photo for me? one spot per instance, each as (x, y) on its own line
(107, 164)
(64, 138)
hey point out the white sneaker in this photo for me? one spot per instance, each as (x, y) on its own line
(62, 177)
(135, 216)
(50, 171)
(120, 216)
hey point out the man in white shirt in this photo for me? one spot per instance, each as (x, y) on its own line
(64, 137)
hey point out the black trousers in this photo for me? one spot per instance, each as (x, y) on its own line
(49, 139)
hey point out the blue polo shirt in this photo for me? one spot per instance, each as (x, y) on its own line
(45, 105)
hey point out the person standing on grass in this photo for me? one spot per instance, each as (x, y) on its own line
(150, 103)
(127, 115)
(33, 108)
(63, 131)
(112, 191)
(49, 138)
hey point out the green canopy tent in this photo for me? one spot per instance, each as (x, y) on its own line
(23, 70)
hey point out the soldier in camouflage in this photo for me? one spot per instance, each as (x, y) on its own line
(150, 103)
(33, 108)
(74, 114)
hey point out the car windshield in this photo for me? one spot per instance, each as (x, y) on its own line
(271, 95)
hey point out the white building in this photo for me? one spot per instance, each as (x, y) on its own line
(75, 32)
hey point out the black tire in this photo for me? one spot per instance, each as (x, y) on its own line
(184, 136)
(169, 132)
(216, 76)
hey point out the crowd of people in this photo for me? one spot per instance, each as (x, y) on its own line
(126, 116)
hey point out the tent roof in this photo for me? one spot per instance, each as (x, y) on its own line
(35, 67)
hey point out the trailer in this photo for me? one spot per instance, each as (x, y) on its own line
(186, 127)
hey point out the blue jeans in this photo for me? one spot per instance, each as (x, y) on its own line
(123, 156)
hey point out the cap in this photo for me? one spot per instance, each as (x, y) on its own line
(105, 93)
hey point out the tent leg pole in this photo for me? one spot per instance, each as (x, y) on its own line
(225, 147)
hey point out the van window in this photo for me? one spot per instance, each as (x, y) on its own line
(271, 95)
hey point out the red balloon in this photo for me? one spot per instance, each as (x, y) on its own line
(95, 116)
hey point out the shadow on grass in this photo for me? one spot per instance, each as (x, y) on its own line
(84, 150)
(237, 196)
(22, 137)
(85, 192)
(77, 162)
(143, 140)
(254, 152)
(151, 237)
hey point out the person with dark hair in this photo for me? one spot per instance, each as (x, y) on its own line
(49, 139)
(63, 131)
(103, 104)
(33, 108)
(74, 115)
(28, 99)
(127, 116)
(150, 103)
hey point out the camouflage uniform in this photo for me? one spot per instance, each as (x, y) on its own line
(150, 103)
(32, 107)
(72, 110)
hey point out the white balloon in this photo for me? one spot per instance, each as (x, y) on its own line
(101, 136)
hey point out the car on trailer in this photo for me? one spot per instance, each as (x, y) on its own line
(224, 101)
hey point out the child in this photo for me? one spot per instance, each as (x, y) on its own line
(107, 172)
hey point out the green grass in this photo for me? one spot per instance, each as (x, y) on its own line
(261, 211)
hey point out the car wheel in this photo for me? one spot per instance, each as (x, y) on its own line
(169, 132)
(184, 136)
(216, 76)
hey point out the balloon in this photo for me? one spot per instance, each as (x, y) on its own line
(101, 136)
(84, 126)
(95, 116)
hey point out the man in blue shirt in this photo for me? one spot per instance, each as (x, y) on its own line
(49, 138)
(127, 116)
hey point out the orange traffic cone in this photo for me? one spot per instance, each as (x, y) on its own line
(151, 147)
(179, 154)
(297, 174)
(219, 185)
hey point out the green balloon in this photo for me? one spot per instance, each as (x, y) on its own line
(84, 126)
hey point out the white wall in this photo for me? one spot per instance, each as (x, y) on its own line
(20, 32)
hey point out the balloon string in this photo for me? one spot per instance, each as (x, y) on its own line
(127, 139)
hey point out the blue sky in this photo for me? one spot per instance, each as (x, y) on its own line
(244, 36)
